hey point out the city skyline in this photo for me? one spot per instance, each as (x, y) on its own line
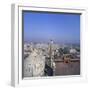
(60, 27)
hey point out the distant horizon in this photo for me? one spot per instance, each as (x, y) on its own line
(49, 42)
(42, 27)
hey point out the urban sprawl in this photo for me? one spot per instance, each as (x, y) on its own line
(51, 59)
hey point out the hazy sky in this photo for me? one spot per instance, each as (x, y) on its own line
(60, 27)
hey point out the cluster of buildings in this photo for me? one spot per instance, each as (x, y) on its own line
(40, 58)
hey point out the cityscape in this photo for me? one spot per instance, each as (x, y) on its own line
(51, 44)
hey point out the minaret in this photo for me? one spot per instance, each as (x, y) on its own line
(51, 50)
(53, 66)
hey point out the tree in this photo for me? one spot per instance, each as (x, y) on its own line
(65, 50)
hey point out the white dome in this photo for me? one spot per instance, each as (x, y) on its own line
(72, 51)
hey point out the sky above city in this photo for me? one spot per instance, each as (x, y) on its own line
(59, 27)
